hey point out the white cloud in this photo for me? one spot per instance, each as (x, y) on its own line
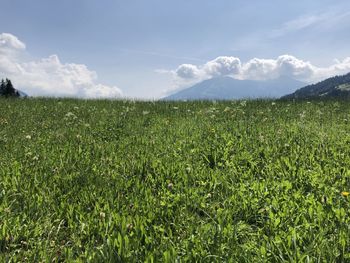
(188, 71)
(9, 42)
(259, 69)
(223, 66)
(49, 76)
(339, 68)
(291, 66)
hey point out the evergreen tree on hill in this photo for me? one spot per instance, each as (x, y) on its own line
(2, 87)
(7, 89)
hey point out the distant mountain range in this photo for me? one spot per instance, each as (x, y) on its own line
(226, 88)
(335, 87)
(21, 93)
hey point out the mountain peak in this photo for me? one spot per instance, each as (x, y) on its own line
(226, 88)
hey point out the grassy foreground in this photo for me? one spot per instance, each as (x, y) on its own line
(109, 181)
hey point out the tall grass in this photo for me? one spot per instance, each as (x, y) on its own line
(240, 181)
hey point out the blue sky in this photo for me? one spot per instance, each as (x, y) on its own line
(139, 46)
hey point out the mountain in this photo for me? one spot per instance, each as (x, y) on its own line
(226, 88)
(335, 87)
(22, 94)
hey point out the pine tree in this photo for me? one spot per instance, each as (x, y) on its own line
(9, 90)
(2, 87)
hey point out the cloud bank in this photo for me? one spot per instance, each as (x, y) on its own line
(49, 76)
(258, 69)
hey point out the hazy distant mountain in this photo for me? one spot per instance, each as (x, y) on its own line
(226, 88)
(335, 87)
(22, 94)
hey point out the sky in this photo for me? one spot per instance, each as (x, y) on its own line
(148, 49)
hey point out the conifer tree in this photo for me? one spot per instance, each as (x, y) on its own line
(9, 90)
(2, 87)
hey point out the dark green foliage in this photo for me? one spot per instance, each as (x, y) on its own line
(7, 89)
(329, 88)
(123, 181)
(2, 87)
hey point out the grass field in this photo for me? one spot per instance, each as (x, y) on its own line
(109, 181)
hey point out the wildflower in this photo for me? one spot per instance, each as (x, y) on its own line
(346, 194)
(3, 121)
(170, 186)
(28, 137)
(243, 103)
(70, 115)
(145, 112)
(175, 108)
(130, 227)
(261, 138)
(102, 215)
(273, 103)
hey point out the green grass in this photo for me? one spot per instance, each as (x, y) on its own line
(109, 181)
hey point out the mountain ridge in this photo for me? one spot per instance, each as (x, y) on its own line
(226, 88)
(333, 87)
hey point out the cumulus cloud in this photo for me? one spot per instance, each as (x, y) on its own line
(49, 76)
(293, 67)
(223, 66)
(188, 71)
(259, 69)
(10, 43)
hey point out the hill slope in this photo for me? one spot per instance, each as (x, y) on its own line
(229, 88)
(335, 87)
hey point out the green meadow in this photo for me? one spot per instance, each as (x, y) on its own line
(126, 181)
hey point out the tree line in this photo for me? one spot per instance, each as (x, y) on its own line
(7, 89)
